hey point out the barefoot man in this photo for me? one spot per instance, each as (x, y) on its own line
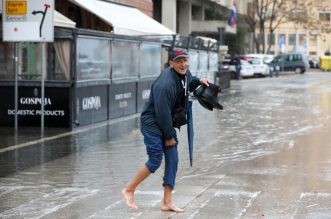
(167, 100)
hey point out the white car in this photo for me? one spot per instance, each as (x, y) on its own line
(246, 69)
(260, 68)
(267, 58)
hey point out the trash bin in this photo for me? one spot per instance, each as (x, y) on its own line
(222, 79)
(325, 63)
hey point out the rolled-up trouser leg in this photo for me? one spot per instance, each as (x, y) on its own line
(154, 148)
(171, 165)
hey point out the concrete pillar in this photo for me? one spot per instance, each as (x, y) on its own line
(169, 12)
(184, 17)
(200, 13)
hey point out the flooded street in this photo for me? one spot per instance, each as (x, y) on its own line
(266, 155)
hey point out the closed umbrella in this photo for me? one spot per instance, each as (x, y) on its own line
(190, 130)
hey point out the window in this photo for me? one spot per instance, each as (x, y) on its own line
(288, 58)
(313, 40)
(150, 59)
(60, 57)
(93, 59)
(203, 61)
(272, 40)
(194, 61)
(125, 64)
(260, 38)
(325, 16)
(281, 39)
(297, 57)
(292, 39)
(302, 40)
(213, 61)
(31, 61)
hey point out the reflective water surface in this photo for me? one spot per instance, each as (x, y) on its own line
(266, 155)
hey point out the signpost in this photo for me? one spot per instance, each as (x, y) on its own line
(28, 21)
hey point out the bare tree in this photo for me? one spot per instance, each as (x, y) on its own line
(262, 15)
(267, 15)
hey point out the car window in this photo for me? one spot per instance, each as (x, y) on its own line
(243, 62)
(289, 58)
(297, 57)
(278, 59)
(255, 61)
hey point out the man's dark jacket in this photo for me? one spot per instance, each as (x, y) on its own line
(156, 115)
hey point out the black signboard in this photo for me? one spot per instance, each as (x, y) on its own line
(122, 99)
(56, 106)
(143, 92)
(91, 104)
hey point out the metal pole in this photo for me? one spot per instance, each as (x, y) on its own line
(43, 73)
(16, 55)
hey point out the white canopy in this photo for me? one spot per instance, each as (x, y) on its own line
(124, 19)
(62, 21)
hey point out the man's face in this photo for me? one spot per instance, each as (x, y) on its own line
(180, 65)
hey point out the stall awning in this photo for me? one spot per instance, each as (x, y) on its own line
(62, 21)
(124, 19)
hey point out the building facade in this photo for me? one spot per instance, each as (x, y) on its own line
(310, 36)
(196, 17)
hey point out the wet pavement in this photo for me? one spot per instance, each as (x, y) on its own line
(267, 155)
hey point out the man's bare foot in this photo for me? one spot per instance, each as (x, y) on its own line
(171, 207)
(128, 196)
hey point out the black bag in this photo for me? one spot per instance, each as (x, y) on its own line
(179, 117)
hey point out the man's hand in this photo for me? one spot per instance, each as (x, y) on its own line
(204, 81)
(169, 143)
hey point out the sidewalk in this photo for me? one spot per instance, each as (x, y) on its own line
(252, 160)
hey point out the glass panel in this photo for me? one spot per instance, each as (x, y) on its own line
(302, 40)
(30, 61)
(292, 39)
(324, 16)
(281, 39)
(203, 61)
(7, 65)
(93, 59)
(193, 60)
(297, 57)
(272, 41)
(61, 58)
(213, 61)
(150, 59)
(125, 63)
(313, 40)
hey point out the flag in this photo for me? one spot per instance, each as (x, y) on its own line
(232, 22)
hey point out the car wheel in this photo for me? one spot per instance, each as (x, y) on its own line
(298, 70)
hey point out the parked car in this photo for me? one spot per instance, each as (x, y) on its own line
(245, 71)
(224, 65)
(297, 62)
(313, 63)
(260, 68)
(230, 66)
(267, 58)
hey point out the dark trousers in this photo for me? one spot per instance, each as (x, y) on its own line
(155, 149)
